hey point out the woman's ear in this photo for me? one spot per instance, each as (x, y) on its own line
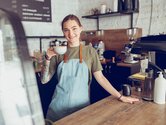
(81, 28)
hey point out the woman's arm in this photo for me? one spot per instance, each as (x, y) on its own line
(45, 73)
(109, 88)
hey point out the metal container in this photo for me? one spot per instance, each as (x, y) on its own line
(126, 89)
(128, 5)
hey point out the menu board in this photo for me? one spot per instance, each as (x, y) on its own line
(29, 10)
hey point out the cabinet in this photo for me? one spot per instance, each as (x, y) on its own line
(46, 92)
(117, 74)
(98, 16)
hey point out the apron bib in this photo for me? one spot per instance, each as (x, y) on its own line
(72, 90)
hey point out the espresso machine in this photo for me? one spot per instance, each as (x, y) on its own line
(129, 57)
(157, 45)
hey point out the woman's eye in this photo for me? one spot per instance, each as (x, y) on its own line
(74, 29)
(65, 30)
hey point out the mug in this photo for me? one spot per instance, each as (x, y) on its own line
(126, 90)
(60, 49)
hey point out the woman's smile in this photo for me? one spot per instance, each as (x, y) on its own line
(72, 32)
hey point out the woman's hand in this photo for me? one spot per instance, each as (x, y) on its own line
(129, 99)
(50, 53)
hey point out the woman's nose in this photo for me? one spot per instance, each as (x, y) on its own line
(71, 33)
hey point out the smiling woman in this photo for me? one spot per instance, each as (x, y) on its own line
(72, 29)
(74, 72)
(72, 32)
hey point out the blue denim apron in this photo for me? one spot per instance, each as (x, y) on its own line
(72, 90)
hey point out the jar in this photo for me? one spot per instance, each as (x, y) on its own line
(103, 8)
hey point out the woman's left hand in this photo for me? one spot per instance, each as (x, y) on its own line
(129, 99)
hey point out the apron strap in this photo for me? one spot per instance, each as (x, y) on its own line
(80, 53)
(65, 57)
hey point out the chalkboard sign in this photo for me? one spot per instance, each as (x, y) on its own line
(29, 10)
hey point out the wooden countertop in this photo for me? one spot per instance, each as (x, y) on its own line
(110, 111)
(105, 61)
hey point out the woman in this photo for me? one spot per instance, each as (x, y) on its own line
(74, 73)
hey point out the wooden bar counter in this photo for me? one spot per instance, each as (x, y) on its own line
(110, 111)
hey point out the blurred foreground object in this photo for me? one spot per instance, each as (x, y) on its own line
(19, 97)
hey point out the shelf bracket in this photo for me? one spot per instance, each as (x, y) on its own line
(97, 22)
(131, 21)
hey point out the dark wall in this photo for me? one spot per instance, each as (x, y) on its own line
(161, 60)
(160, 56)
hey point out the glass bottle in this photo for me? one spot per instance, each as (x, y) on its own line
(148, 86)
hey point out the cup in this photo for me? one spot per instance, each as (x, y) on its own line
(144, 65)
(126, 90)
(60, 49)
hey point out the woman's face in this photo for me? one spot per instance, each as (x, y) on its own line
(72, 32)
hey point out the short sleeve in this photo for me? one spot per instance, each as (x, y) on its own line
(96, 64)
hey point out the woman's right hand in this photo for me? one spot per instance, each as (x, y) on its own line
(50, 53)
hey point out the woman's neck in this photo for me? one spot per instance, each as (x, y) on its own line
(74, 44)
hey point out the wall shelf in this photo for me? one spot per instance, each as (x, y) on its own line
(98, 16)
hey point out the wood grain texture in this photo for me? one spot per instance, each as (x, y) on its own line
(110, 111)
(114, 39)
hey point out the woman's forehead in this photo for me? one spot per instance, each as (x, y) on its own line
(70, 23)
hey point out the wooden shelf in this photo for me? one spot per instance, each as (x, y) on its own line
(97, 16)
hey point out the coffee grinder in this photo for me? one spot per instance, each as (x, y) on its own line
(129, 58)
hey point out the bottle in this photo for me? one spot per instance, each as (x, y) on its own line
(115, 6)
(101, 45)
(120, 5)
(148, 86)
(136, 5)
(128, 5)
(101, 49)
(160, 89)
